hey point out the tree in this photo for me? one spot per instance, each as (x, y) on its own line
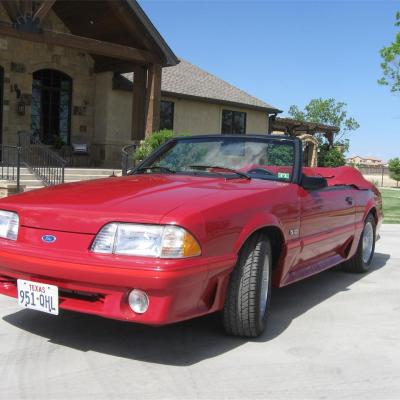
(394, 169)
(328, 112)
(391, 62)
(330, 156)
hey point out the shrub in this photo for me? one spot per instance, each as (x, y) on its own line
(330, 156)
(152, 142)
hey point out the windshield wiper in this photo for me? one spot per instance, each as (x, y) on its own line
(204, 167)
(159, 167)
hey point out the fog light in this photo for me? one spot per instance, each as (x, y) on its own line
(138, 301)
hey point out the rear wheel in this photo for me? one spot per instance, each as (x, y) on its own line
(247, 299)
(362, 260)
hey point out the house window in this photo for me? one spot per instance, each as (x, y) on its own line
(51, 105)
(233, 122)
(167, 115)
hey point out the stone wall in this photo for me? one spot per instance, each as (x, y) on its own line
(21, 58)
(9, 188)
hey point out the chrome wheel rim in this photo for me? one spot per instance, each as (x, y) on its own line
(264, 286)
(367, 242)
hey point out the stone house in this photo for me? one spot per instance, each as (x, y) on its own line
(99, 73)
(54, 56)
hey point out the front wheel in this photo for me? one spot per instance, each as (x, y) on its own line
(247, 299)
(362, 260)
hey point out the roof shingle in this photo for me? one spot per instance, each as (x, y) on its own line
(188, 80)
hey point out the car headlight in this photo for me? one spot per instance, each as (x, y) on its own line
(164, 241)
(9, 224)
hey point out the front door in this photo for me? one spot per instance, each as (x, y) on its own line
(327, 223)
(51, 106)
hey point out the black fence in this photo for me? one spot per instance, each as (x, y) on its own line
(10, 164)
(127, 158)
(44, 162)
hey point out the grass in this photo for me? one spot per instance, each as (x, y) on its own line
(391, 205)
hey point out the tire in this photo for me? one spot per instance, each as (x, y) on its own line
(248, 296)
(361, 261)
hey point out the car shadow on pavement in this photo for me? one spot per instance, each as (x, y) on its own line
(185, 343)
(292, 301)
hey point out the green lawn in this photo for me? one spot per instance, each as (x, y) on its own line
(391, 206)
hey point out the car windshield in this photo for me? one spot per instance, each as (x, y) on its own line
(241, 158)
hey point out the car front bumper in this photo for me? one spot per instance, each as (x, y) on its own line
(177, 289)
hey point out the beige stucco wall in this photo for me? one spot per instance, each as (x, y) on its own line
(34, 56)
(190, 116)
(198, 117)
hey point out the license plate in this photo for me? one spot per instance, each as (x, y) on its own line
(38, 296)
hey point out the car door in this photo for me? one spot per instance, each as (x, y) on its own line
(327, 223)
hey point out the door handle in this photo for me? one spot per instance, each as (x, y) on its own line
(349, 200)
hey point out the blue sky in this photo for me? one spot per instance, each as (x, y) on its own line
(288, 52)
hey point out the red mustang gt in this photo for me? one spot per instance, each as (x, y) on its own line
(205, 224)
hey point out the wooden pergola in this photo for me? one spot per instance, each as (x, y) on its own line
(293, 127)
(116, 33)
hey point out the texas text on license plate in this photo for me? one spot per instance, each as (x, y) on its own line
(38, 296)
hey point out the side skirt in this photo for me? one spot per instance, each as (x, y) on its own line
(312, 269)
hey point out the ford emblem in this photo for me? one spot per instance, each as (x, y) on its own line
(49, 238)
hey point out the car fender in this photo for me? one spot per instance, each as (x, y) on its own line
(368, 208)
(259, 221)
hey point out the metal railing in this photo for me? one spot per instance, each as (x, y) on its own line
(46, 164)
(10, 164)
(127, 158)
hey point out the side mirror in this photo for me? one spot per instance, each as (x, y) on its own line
(313, 182)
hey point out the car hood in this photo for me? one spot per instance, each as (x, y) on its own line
(85, 207)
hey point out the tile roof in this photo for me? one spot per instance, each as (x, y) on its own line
(188, 80)
(372, 158)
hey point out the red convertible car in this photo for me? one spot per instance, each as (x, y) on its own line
(205, 224)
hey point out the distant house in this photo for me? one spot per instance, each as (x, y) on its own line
(364, 161)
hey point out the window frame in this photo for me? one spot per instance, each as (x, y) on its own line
(39, 83)
(172, 103)
(233, 113)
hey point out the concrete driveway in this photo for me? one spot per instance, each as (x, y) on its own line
(334, 336)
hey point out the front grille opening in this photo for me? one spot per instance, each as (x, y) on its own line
(79, 295)
(7, 279)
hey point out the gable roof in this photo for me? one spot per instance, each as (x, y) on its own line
(189, 81)
(170, 57)
(121, 22)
